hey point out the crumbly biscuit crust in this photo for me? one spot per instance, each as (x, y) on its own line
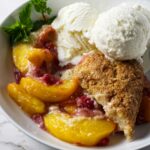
(116, 85)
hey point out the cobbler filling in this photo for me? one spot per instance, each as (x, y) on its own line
(49, 73)
(144, 108)
(38, 119)
(80, 103)
(18, 75)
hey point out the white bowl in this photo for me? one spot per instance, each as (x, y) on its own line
(22, 121)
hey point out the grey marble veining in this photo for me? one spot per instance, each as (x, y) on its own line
(13, 139)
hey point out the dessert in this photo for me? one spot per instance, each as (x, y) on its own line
(90, 131)
(117, 86)
(74, 22)
(122, 32)
(79, 78)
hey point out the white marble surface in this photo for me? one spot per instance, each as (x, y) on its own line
(13, 139)
(10, 137)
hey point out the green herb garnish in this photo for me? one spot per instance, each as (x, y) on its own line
(41, 7)
(21, 29)
(39, 23)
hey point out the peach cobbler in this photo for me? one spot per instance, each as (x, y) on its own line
(71, 89)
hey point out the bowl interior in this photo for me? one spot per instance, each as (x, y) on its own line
(142, 134)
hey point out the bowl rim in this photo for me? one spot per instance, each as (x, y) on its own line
(2, 21)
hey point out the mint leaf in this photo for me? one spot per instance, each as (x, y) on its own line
(39, 23)
(17, 32)
(20, 30)
(50, 20)
(41, 7)
(14, 32)
(24, 15)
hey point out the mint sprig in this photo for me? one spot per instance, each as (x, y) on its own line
(21, 29)
(41, 7)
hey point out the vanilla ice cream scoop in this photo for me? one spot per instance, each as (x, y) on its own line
(76, 17)
(72, 24)
(122, 32)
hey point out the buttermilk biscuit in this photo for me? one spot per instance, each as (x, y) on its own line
(116, 85)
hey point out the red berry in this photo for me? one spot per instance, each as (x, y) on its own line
(18, 75)
(104, 142)
(50, 79)
(85, 101)
(39, 120)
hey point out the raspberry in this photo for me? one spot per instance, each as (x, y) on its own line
(50, 79)
(39, 120)
(104, 142)
(85, 101)
(18, 75)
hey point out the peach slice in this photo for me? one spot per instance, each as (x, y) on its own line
(28, 103)
(20, 53)
(49, 93)
(77, 130)
(25, 53)
(38, 56)
(71, 109)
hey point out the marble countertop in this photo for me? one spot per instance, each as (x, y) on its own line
(12, 138)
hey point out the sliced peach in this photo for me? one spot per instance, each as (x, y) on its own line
(71, 109)
(28, 103)
(25, 53)
(51, 93)
(20, 53)
(83, 131)
(38, 56)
